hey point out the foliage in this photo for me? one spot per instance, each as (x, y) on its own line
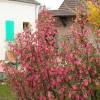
(45, 73)
(94, 14)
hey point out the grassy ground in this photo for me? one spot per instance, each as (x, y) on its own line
(98, 94)
(5, 92)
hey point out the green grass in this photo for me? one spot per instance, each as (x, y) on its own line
(98, 94)
(5, 92)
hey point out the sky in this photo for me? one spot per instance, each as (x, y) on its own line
(51, 4)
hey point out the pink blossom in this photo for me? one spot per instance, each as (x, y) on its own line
(85, 95)
(50, 96)
(42, 98)
(85, 83)
(78, 62)
(74, 87)
(70, 95)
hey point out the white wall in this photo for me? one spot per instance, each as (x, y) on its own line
(18, 12)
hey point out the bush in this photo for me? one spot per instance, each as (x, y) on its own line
(45, 73)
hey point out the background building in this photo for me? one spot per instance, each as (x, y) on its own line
(14, 15)
(64, 17)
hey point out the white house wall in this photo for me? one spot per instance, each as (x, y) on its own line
(18, 12)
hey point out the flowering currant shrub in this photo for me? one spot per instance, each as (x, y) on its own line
(47, 73)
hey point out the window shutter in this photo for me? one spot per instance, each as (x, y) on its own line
(9, 30)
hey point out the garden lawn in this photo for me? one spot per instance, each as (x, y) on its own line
(5, 92)
(98, 93)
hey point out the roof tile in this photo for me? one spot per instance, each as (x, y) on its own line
(67, 8)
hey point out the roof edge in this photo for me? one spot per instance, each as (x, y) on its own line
(35, 2)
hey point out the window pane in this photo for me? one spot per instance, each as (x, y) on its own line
(9, 30)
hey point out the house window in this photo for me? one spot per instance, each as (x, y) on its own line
(9, 30)
(26, 26)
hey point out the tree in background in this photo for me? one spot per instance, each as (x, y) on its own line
(94, 13)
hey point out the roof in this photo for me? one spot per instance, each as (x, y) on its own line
(69, 4)
(67, 8)
(27, 1)
(62, 12)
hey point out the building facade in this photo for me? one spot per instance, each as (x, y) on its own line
(14, 16)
